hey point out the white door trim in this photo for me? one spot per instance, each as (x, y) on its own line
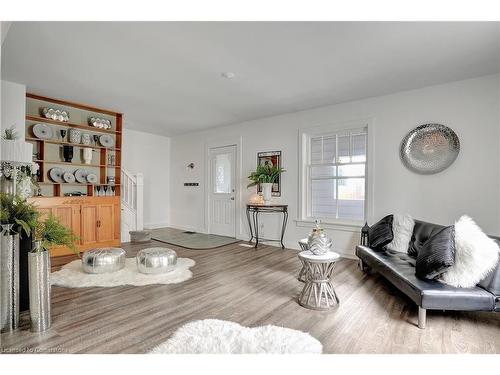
(223, 142)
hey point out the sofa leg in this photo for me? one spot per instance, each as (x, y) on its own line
(422, 317)
(362, 266)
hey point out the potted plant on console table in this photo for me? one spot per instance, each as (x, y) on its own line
(48, 233)
(265, 176)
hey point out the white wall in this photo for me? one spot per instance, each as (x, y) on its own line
(13, 107)
(4, 29)
(150, 155)
(469, 186)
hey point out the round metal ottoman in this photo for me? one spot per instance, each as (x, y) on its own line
(104, 260)
(155, 260)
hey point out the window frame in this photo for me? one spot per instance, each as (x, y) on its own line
(305, 180)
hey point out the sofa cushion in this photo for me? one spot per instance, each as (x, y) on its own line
(380, 234)
(399, 269)
(402, 229)
(491, 283)
(476, 255)
(422, 231)
(437, 254)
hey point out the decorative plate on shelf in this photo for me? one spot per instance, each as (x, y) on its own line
(69, 177)
(92, 178)
(106, 140)
(81, 175)
(56, 174)
(42, 131)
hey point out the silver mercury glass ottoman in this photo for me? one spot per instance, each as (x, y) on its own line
(155, 260)
(104, 260)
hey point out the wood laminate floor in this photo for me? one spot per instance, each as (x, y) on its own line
(251, 287)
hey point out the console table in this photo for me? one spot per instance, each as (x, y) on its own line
(253, 211)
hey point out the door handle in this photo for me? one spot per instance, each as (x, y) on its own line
(232, 198)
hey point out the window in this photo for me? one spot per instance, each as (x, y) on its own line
(222, 174)
(335, 175)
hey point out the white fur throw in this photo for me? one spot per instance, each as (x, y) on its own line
(402, 228)
(475, 255)
(213, 336)
(72, 275)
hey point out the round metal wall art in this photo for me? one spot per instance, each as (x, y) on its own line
(429, 148)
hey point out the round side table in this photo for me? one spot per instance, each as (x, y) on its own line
(318, 292)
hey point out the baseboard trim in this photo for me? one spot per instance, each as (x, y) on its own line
(156, 225)
(295, 247)
(344, 253)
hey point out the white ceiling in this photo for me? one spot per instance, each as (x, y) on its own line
(166, 76)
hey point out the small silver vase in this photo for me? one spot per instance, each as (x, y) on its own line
(9, 279)
(39, 288)
(318, 241)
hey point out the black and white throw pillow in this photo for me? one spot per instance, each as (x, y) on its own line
(437, 254)
(380, 234)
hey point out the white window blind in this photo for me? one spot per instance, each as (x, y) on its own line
(337, 175)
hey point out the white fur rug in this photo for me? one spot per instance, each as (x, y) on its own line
(212, 336)
(72, 276)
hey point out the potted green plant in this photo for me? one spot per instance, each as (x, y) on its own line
(17, 217)
(48, 233)
(265, 176)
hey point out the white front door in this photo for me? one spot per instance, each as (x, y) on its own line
(222, 207)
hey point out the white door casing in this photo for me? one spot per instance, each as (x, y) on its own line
(222, 191)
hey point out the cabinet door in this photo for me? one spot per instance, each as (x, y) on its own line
(69, 216)
(106, 225)
(89, 218)
(44, 212)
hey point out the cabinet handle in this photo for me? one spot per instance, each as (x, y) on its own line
(98, 223)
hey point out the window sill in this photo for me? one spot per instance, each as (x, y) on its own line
(344, 225)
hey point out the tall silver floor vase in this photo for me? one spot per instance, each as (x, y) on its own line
(39, 288)
(9, 278)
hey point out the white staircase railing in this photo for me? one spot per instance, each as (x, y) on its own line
(132, 203)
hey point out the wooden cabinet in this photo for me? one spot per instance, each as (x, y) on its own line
(93, 219)
(69, 216)
(89, 217)
(105, 162)
(105, 222)
(98, 223)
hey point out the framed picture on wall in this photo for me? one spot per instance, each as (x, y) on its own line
(271, 158)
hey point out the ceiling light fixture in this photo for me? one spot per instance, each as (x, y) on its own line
(228, 75)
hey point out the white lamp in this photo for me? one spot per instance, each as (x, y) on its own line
(16, 151)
